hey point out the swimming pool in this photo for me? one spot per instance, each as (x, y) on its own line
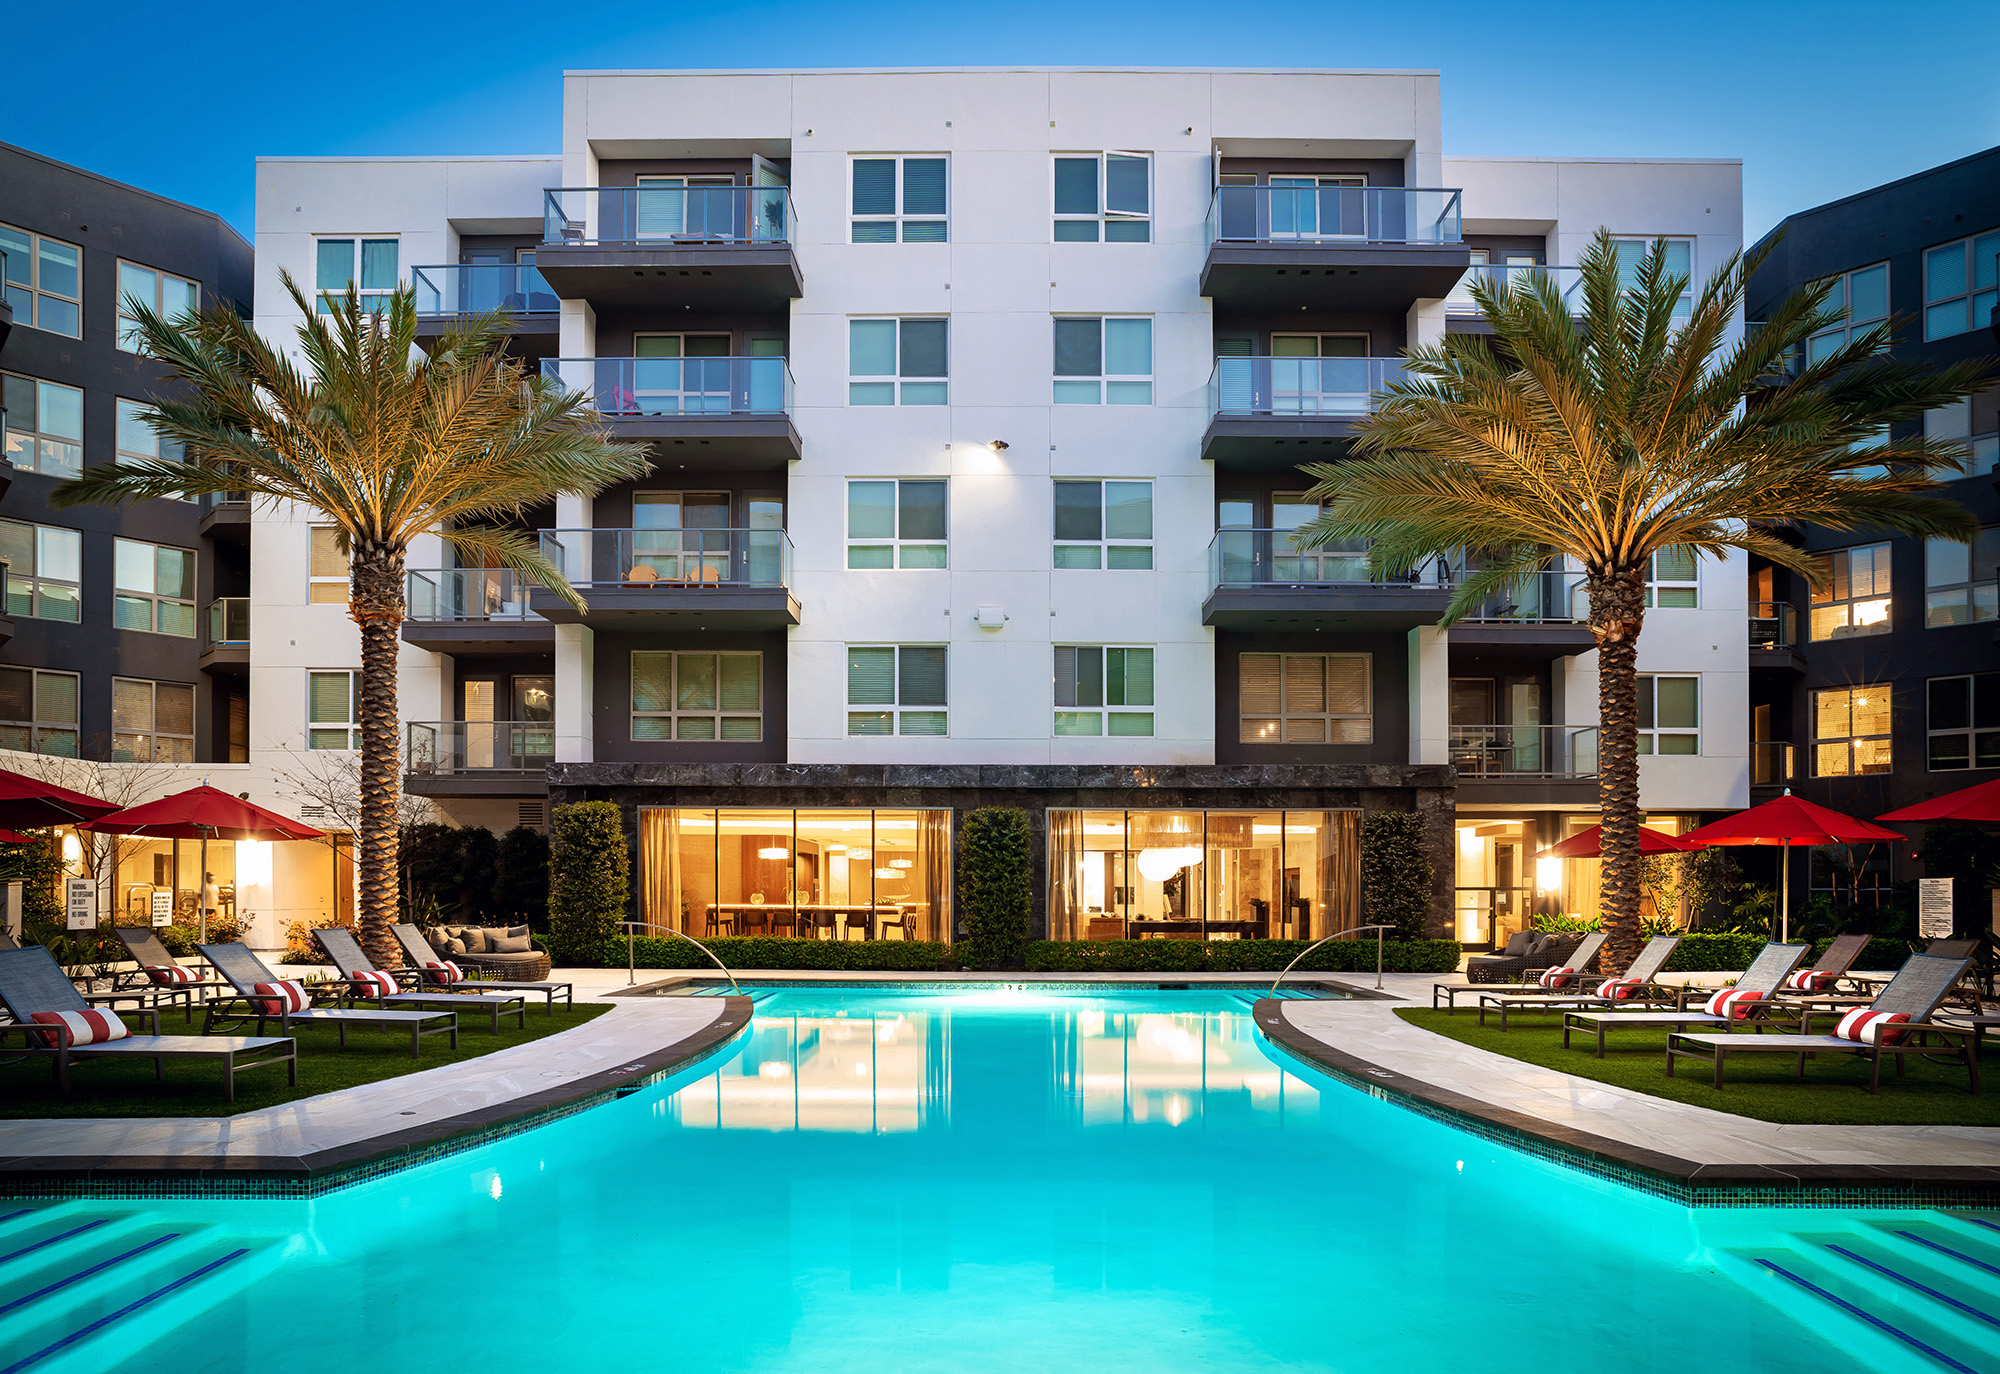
(975, 1180)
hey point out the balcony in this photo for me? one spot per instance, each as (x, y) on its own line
(1774, 636)
(732, 579)
(1261, 580)
(1345, 249)
(225, 637)
(728, 414)
(473, 613)
(452, 292)
(225, 516)
(1462, 314)
(478, 758)
(1541, 616)
(1525, 763)
(715, 248)
(1772, 763)
(1271, 414)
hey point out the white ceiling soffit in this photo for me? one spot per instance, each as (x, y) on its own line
(514, 225)
(634, 149)
(1398, 148)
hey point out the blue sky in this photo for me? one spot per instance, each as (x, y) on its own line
(1819, 99)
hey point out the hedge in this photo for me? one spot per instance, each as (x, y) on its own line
(1395, 873)
(1238, 956)
(589, 880)
(760, 952)
(994, 891)
(1716, 951)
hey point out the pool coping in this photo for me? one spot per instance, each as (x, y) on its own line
(1692, 1182)
(317, 1172)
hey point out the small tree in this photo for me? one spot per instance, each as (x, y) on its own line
(479, 854)
(994, 887)
(590, 876)
(1395, 872)
(432, 857)
(521, 892)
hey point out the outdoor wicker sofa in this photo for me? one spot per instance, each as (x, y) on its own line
(417, 950)
(245, 971)
(1643, 990)
(1767, 973)
(352, 962)
(1578, 955)
(473, 947)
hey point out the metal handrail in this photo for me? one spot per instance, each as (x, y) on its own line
(631, 952)
(1378, 929)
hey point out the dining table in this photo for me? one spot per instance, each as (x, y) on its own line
(740, 915)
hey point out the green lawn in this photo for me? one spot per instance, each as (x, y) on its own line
(103, 1087)
(1834, 1091)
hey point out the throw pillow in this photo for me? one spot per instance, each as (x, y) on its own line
(475, 939)
(1619, 989)
(370, 983)
(1517, 944)
(1733, 1003)
(509, 944)
(444, 971)
(1807, 980)
(280, 999)
(91, 1027)
(1557, 977)
(516, 930)
(454, 947)
(1869, 1027)
(169, 975)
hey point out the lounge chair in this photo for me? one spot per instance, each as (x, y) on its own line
(1757, 989)
(1577, 959)
(245, 971)
(1898, 1022)
(431, 966)
(1636, 985)
(32, 983)
(1831, 968)
(366, 983)
(7, 940)
(160, 971)
(1864, 988)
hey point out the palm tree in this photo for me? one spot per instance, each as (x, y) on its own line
(1605, 438)
(384, 444)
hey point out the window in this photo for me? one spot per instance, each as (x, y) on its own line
(1964, 721)
(896, 362)
(1669, 715)
(333, 710)
(1680, 263)
(900, 688)
(1850, 731)
(153, 588)
(151, 722)
(697, 696)
(1114, 191)
(1093, 682)
(1306, 698)
(1104, 362)
(1864, 295)
(367, 263)
(1103, 524)
(44, 570)
(1960, 281)
(44, 281)
(1671, 580)
(1855, 599)
(905, 191)
(165, 294)
(329, 578)
(137, 439)
(1959, 586)
(38, 711)
(44, 426)
(1955, 422)
(896, 524)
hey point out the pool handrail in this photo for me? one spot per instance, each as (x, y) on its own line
(631, 952)
(1351, 930)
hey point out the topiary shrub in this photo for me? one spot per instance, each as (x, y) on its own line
(521, 891)
(590, 878)
(1395, 873)
(994, 890)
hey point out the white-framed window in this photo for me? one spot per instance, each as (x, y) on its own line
(368, 263)
(1959, 586)
(44, 281)
(697, 696)
(1103, 524)
(1961, 283)
(44, 425)
(1955, 422)
(333, 709)
(165, 294)
(1680, 263)
(1106, 196)
(1851, 731)
(900, 197)
(896, 523)
(1673, 579)
(1104, 360)
(897, 362)
(44, 570)
(1669, 714)
(1864, 295)
(896, 689)
(152, 588)
(151, 722)
(1306, 698)
(1103, 689)
(328, 580)
(1963, 718)
(38, 711)
(1855, 599)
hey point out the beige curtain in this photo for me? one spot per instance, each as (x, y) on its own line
(1340, 871)
(934, 866)
(660, 868)
(1065, 876)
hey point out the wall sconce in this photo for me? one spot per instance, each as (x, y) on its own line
(997, 445)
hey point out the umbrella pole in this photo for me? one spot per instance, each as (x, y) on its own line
(201, 886)
(1785, 892)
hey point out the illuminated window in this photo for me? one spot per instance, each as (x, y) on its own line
(1855, 597)
(1306, 698)
(697, 696)
(1850, 731)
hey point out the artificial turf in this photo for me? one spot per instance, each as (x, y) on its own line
(121, 1087)
(1834, 1091)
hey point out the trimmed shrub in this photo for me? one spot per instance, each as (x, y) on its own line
(38, 868)
(1117, 956)
(521, 891)
(1238, 956)
(1703, 951)
(994, 891)
(432, 857)
(757, 952)
(479, 866)
(1878, 954)
(1395, 873)
(590, 878)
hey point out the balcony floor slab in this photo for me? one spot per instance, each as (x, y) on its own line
(1330, 277)
(664, 607)
(1350, 608)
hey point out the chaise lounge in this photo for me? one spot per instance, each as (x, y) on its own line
(262, 999)
(442, 972)
(160, 971)
(1636, 986)
(1566, 967)
(1754, 995)
(378, 987)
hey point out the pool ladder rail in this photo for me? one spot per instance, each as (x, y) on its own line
(1351, 930)
(632, 929)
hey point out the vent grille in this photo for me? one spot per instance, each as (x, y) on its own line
(535, 813)
(313, 813)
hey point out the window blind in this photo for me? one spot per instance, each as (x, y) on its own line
(1079, 513)
(694, 682)
(1079, 348)
(923, 185)
(742, 685)
(173, 708)
(875, 186)
(55, 697)
(871, 677)
(920, 510)
(131, 704)
(330, 698)
(920, 676)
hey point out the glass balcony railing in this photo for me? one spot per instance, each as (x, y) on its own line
(1968, 603)
(1774, 625)
(1330, 215)
(1541, 598)
(1523, 751)
(466, 594)
(441, 747)
(227, 621)
(676, 560)
(1568, 282)
(1240, 558)
(668, 216)
(646, 387)
(473, 288)
(219, 500)
(1770, 763)
(1330, 387)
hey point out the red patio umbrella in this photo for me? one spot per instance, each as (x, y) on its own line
(1975, 805)
(1787, 821)
(1589, 844)
(27, 803)
(199, 813)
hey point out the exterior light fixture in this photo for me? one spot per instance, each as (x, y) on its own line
(997, 445)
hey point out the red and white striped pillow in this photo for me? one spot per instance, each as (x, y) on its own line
(370, 983)
(168, 975)
(1557, 977)
(281, 999)
(444, 971)
(1809, 980)
(91, 1027)
(1871, 1027)
(1619, 989)
(1733, 1003)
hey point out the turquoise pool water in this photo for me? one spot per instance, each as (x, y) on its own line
(990, 1180)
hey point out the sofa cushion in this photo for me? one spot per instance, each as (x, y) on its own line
(1518, 943)
(509, 944)
(453, 947)
(475, 939)
(515, 930)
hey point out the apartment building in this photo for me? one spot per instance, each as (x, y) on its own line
(1882, 688)
(976, 400)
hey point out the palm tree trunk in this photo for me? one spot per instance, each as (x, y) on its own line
(1617, 610)
(376, 603)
